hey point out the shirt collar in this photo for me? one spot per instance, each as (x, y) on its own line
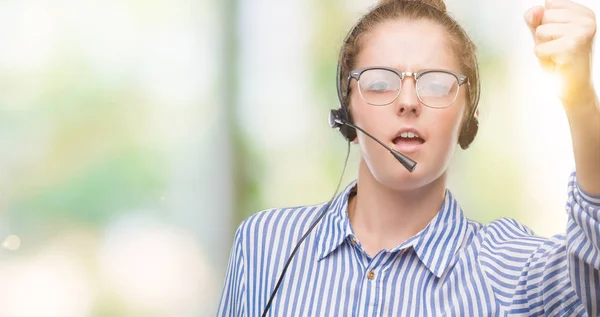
(443, 236)
(335, 225)
(435, 245)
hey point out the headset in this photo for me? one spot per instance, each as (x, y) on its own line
(340, 118)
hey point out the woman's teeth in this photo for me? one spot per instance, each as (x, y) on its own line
(408, 135)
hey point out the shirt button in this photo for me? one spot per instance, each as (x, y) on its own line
(353, 240)
(371, 275)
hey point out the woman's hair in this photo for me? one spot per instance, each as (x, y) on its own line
(432, 10)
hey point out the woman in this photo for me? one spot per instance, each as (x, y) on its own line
(395, 242)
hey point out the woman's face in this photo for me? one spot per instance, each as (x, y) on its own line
(409, 46)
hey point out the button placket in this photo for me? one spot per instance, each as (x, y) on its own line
(372, 269)
(372, 280)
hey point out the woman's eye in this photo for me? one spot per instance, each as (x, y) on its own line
(439, 88)
(436, 89)
(378, 86)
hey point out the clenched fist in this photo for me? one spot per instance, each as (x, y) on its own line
(563, 32)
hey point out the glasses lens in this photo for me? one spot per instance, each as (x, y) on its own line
(437, 89)
(379, 86)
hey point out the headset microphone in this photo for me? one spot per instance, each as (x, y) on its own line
(337, 120)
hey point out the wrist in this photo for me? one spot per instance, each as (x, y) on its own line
(585, 104)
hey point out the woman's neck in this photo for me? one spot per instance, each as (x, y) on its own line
(383, 218)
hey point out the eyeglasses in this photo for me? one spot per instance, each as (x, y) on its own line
(380, 86)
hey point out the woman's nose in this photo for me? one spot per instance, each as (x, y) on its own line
(408, 101)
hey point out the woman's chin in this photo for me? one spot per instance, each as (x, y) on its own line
(404, 180)
(393, 175)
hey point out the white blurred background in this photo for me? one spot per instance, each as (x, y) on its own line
(136, 135)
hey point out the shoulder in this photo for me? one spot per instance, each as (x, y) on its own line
(510, 231)
(506, 237)
(278, 221)
(507, 229)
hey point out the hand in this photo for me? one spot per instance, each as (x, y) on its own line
(563, 32)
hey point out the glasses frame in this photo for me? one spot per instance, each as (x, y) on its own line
(461, 79)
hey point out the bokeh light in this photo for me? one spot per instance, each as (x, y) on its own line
(51, 284)
(12, 243)
(155, 268)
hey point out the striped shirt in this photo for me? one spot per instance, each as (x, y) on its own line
(453, 267)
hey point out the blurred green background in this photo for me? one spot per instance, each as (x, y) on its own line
(136, 135)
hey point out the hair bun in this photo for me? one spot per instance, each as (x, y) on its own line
(436, 3)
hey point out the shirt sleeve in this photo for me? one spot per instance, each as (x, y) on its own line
(234, 288)
(583, 245)
(558, 276)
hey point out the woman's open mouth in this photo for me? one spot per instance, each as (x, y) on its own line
(408, 142)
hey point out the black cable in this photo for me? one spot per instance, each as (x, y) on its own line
(289, 260)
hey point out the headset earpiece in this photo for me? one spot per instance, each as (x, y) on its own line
(336, 117)
(471, 127)
(468, 133)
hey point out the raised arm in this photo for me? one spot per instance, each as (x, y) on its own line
(564, 32)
